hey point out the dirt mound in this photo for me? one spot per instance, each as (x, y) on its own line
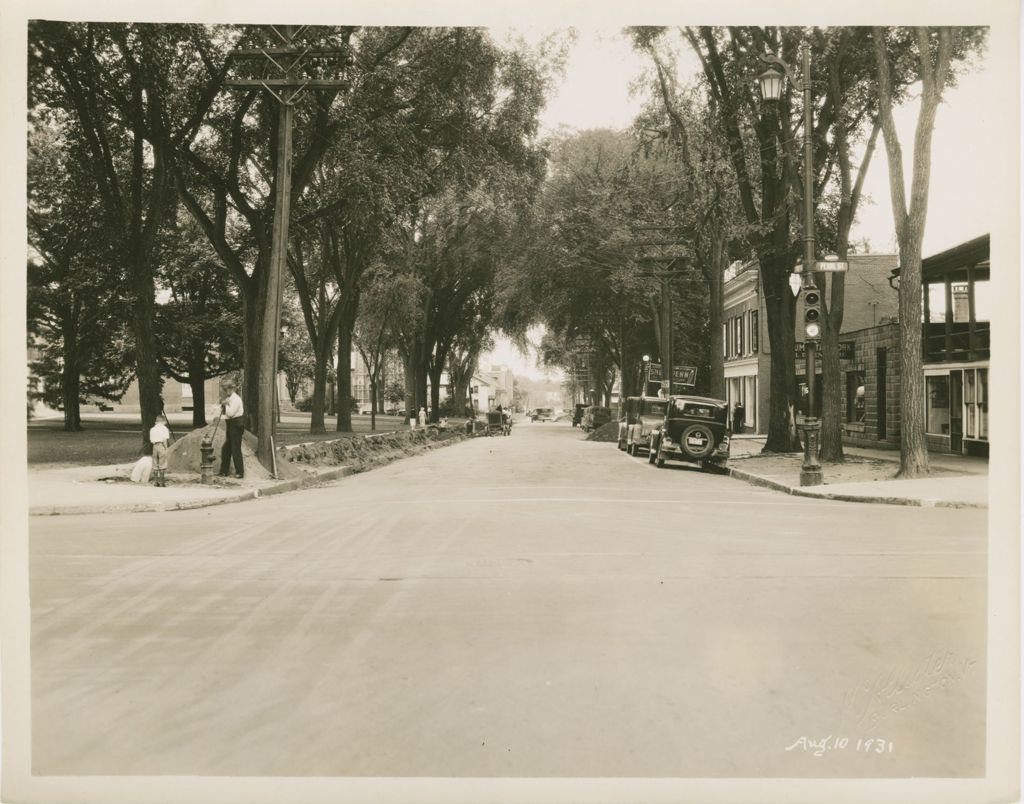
(184, 456)
(606, 432)
(366, 451)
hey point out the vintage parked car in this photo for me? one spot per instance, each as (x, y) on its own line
(594, 417)
(695, 429)
(642, 415)
(542, 415)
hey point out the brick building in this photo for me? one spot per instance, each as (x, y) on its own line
(872, 378)
(869, 301)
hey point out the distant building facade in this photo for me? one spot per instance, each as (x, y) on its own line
(391, 371)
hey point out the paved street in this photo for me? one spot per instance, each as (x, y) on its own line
(536, 605)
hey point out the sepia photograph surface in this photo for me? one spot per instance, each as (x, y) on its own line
(527, 404)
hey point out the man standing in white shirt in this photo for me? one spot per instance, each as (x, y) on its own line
(159, 435)
(234, 426)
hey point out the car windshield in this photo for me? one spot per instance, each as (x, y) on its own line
(654, 408)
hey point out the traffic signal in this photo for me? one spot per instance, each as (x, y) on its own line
(812, 313)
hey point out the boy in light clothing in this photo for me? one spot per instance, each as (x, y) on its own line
(159, 435)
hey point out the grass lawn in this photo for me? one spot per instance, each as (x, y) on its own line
(113, 438)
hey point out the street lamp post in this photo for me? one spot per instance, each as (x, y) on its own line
(771, 90)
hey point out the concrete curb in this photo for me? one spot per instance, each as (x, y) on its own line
(796, 491)
(296, 483)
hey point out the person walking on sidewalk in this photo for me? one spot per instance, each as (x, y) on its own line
(159, 435)
(234, 426)
(739, 415)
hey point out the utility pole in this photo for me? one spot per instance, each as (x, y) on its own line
(664, 278)
(286, 89)
(679, 253)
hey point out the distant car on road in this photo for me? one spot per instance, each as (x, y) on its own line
(641, 416)
(542, 415)
(594, 417)
(695, 429)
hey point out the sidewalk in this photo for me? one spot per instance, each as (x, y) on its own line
(868, 475)
(54, 490)
(106, 490)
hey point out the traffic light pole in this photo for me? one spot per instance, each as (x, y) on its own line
(810, 470)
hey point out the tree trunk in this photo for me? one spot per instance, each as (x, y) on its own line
(197, 382)
(780, 308)
(147, 369)
(321, 358)
(373, 406)
(250, 391)
(70, 380)
(344, 424)
(459, 387)
(422, 398)
(716, 361)
(831, 448)
(913, 443)
(410, 384)
(422, 375)
(910, 224)
(435, 391)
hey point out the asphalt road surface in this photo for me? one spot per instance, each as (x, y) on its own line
(537, 605)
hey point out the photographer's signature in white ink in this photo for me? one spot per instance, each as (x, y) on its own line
(822, 745)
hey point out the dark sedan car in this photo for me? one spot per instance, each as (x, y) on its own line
(696, 430)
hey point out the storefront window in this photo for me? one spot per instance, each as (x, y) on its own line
(855, 406)
(976, 403)
(937, 404)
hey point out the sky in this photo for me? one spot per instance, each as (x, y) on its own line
(595, 92)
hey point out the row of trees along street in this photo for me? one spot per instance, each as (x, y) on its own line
(427, 214)
(146, 176)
